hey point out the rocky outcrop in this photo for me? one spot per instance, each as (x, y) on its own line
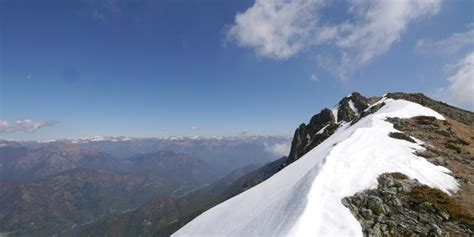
(324, 124)
(306, 137)
(404, 207)
(351, 106)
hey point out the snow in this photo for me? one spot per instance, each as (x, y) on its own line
(322, 129)
(334, 112)
(304, 199)
(175, 138)
(46, 141)
(308, 138)
(352, 106)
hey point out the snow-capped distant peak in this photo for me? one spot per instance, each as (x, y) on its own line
(304, 198)
(86, 139)
(46, 141)
(175, 138)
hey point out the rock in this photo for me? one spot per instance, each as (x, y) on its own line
(444, 215)
(306, 137)
(423, 218)
(367, 213)
(386, 211)
(376, 205)
(397, 202)
(435, 231)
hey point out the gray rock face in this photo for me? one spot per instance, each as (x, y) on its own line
(307, 137)
(387, 211)
(324, 124)
(346, 113)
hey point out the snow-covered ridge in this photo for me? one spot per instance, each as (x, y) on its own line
(304, 199)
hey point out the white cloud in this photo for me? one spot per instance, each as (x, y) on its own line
(278, 149)
(276, 28)
(450, 45)
(282, 29)
(377, 29)
(25, 125)
(244, 132)
(461, 86)
(194, 128)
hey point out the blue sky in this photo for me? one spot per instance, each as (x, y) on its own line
(160, 68)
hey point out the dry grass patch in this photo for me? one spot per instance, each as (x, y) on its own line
(398, 175)
(402, 136)
(442, 202)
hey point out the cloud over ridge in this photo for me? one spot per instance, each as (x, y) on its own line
(25, 125)
(461, 85)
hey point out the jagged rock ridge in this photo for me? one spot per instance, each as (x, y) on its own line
(323, 125)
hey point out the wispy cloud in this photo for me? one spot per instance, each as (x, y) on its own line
(278, 149)
(283, 29)
(244, 132)
(461, 83)
(194, 128)
(460, 89)
(25, 125)
(453, 44)
(103, 9)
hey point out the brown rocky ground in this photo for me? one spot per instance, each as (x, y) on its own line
(448, 143)
(404, 207)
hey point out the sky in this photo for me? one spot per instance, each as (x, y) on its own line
(144, 68)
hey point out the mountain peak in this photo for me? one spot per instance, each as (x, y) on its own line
(323, 125)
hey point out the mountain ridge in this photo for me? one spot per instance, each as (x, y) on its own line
(392, 100)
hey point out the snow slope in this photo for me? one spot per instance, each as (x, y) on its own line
(304, 199)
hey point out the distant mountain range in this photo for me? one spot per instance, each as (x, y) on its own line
(50, 187)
